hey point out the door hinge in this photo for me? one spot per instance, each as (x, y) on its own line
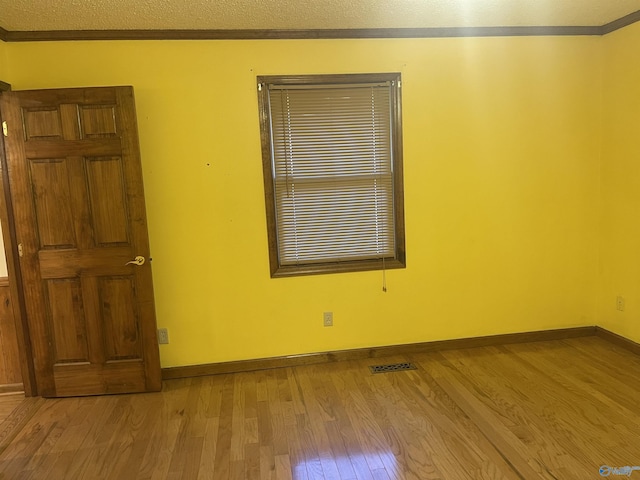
(20, 250)
(5, 131)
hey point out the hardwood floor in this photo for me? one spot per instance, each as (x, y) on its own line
(548, 410)
(8, 403)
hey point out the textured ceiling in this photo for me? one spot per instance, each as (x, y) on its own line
(28, 15)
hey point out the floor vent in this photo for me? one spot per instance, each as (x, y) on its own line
(392, 367)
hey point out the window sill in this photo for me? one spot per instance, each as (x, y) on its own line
(342, 267)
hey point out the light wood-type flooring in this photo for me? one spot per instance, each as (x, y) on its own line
(8, 403)
(547, 410)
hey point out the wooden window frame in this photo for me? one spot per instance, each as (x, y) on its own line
(398, 260)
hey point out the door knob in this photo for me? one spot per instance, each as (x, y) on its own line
(139, 260)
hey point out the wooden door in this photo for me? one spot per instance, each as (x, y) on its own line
(76, 187)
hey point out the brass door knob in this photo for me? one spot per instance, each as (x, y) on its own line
(139, 260)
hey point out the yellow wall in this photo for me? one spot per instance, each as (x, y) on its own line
(620, 216)
(4, 67)
(501, 142)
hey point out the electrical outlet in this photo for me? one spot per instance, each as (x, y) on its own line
(163, 336)
(328, 319)
(620, 303)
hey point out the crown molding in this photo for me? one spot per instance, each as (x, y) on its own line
(446, 32)
(307, 34)
(621, 23)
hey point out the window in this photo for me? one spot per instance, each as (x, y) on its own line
(332, 161)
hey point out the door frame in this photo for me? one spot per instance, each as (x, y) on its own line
(7, 219)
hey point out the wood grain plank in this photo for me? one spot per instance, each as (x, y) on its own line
(223, 443)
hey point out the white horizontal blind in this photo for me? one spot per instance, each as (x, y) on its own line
(332, 172)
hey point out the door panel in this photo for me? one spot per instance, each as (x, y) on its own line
(98, 121)
(119, 319)
(76, 185)
(42, 123)
(52, 202)
(108, 200)
(67, 321)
